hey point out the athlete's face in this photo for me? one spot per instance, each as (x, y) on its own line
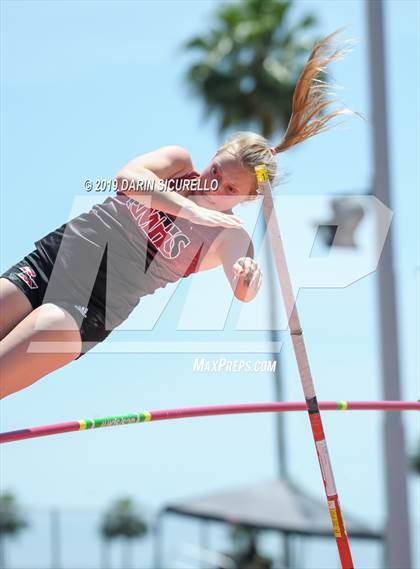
(233, 183)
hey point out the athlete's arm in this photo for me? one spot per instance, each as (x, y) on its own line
(165, 162)
(141, 179)
(235, 251)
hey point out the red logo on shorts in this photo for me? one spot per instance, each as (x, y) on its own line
(28, 275)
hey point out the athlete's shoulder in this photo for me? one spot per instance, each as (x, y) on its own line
(178, 160)
(177, 154)
(166, 162)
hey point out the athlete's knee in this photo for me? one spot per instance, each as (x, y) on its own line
(51, 317)
(44, 341)
(54, 325)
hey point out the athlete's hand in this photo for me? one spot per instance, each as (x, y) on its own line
(213, 218)
(247, 277)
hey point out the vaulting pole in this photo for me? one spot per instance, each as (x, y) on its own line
(304, 368)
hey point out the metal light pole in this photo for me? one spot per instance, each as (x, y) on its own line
(55, 538)
(398, 554)
(274, 309)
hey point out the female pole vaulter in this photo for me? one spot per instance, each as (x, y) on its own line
(83, 279)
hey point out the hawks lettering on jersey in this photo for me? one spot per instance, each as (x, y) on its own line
(159, 229)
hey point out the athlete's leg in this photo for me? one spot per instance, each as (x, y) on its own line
(20, 367)
(14, 306)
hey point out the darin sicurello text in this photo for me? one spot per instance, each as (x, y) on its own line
(172, 184)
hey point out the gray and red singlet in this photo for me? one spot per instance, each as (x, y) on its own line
(145, 250)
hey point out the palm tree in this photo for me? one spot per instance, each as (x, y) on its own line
(122, 520)
(11, 522)
(249, 64)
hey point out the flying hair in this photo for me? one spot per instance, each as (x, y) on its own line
(309, 116)
(310, 98)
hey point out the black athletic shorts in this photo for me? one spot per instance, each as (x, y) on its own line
(31, 275)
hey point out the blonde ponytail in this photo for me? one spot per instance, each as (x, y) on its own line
(310, 97)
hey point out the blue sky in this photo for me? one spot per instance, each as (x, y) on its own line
(85, 87)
